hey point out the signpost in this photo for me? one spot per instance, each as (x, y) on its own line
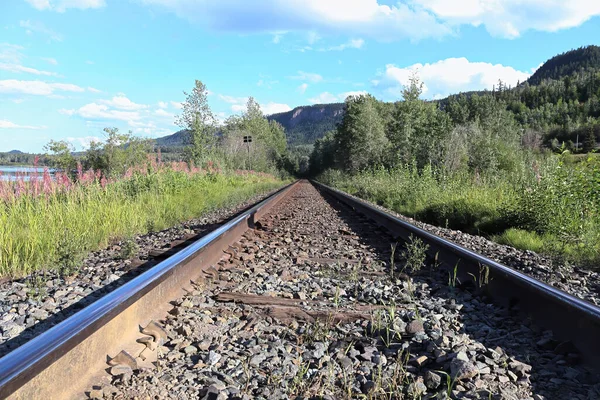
(248, 140)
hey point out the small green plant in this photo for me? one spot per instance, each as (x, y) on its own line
(336, 297)
(392, 259)
(129, 248)
(36, 285)
(449, 383)
(452, 276)
(69, 253)
(415, 253)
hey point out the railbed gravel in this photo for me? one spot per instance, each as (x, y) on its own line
(305, 307)
(580, 282)
(31, 305)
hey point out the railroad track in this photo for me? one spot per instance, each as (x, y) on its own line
(299, 296)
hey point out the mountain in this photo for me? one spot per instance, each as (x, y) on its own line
(304, 125)
(15, 152)
(584, 59)
(176, 139)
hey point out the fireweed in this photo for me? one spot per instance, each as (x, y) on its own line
(51, 222)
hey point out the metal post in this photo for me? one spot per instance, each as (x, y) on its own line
(248, 140)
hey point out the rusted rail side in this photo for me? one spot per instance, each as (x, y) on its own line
(62, 361)
(572, 320)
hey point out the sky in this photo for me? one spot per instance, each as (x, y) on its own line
(69, 68)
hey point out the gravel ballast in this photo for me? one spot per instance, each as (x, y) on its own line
(305, 306)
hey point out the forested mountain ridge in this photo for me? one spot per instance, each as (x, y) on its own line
(584, 59)
(306, 124)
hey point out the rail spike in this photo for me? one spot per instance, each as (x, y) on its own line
(122, 364)
(157, 332)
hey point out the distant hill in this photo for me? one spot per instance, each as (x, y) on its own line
(176, 139)
(15, 152)
(304, 125)
(584, 59)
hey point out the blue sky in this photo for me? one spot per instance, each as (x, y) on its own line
(69, 68)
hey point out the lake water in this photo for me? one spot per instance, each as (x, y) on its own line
(10, 172)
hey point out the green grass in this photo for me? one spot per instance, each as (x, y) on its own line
(521, 239)
(548, 205)
(57, 231)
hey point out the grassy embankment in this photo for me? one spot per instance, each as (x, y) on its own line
(551, 206)
(53, 224)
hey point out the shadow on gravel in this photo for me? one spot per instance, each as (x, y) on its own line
(133, 270)
(555, 372)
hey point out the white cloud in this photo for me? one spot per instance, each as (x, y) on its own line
(20, 68)
(323, 98)
(233, 100)
(177, 104)
(351, 44)
(163, 104)
(39, 4)
(63, 5)
(239, 104)
(413, 19)
(38, 27)
(5, 124)
(510, 18)
(302, 88)
(238, 108)
(162, 113)
(11, 53)
(327, 97)
(307, 76)
(50, 60)
(274, 108)
(123, 103)
(93, 90)
(84, 142)
(451, 75)
(265, 81)
(96, 111)
(277, 38)
(89, 62)
(36, 87)
(355, 17)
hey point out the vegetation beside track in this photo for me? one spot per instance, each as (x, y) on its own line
(548, 205)
(53, 224)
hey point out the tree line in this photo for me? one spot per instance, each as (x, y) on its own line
(206, 142)
(477, 131)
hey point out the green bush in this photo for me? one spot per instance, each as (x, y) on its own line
(544, 204)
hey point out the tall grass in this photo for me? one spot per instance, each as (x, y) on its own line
(55, 227)
(547, 205)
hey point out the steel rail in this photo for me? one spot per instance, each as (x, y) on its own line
(572, 320)
(23, 365)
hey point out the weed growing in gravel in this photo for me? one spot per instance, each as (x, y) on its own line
(452, 276)
(392, 259)
(336, 297)
(36, 284)
(415, 253)
(449, 383)
(69, 253)
(129, 248)
(484, 276)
